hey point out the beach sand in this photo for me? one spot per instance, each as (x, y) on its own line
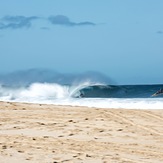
(36, 133)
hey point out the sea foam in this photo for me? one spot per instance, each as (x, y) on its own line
(54, 93)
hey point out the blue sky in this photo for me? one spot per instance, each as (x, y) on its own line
(121, 39)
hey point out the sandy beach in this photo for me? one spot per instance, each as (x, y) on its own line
(36, 133)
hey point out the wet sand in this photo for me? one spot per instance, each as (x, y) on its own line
(35, 133)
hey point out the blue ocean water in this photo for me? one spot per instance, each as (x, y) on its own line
(122, 91)
(38, 87)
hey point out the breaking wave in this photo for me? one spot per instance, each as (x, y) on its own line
(87, 89)
(85, 94)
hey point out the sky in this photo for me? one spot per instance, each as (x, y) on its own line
(122, 39)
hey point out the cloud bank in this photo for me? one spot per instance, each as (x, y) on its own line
(18, 22)
(15, 22)
(160, 32)
(65, 21)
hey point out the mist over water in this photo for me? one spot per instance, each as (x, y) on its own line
(27, 77)
(90, 89)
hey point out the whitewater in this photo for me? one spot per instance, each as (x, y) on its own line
(90, 94)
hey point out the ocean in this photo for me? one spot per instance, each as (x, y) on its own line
(36, 87)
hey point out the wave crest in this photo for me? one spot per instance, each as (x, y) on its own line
(42, 91)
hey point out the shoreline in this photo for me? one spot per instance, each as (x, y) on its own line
(50, 133)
